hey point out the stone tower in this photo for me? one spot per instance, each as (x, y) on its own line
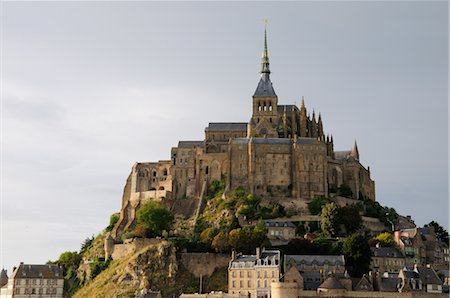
(265, 102)
(109, 246)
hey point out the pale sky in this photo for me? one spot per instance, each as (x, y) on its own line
(91, 88)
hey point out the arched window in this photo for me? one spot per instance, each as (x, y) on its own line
(154, 173)
(207, 170)
(161, 188)
(165, 172)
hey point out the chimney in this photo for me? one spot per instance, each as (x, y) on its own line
(397, 236)
(258, 253)
(233, 255)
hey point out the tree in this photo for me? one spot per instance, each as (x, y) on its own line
(155, 217)
(441, 233)
(315, 206)
(69, 259)
(329, 219)
(385, 239)
(208, 235)
(220, 242)
(357, 254)
(87, 243)
(350, 218)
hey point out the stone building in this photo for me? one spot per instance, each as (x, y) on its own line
(386, 259)
(313, 269)
(44, 281)
(281, 152)
(280, 232)
(252, 275)
(410, 243)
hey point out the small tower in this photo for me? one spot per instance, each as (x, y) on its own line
(320, 128)
(355, 153)
(3, 278)
(109, 246)
(314, 126)
(285, 122)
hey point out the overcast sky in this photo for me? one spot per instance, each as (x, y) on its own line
(91, 88)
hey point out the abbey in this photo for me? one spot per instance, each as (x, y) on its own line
(281, 152)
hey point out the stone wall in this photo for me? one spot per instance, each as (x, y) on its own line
(290, 290)
(204, 264)
(122, 250)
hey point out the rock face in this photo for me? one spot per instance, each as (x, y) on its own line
(156, 267)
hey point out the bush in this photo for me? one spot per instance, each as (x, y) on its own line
(113, 219)
(315, 206)
(344, 191)
(98, 266)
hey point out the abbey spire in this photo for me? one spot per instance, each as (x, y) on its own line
(265, 70)
(265, 85)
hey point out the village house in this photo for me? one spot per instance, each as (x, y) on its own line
(44, 281)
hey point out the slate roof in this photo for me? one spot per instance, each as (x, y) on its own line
(37, 271)
(191, 144)
(389, 284)
(245, 141)
(289, 108)
(429, 276)
(264, 88)
(390, 252)
(332, 283)
(227, 126)
(3, 278)
(306, 141)
(311, 280)
(320, 259)
(340, 155)
(279, 224)
(252, 258)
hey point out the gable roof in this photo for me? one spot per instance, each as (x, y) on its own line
(331, 283)
(190, 144)
(390, 252)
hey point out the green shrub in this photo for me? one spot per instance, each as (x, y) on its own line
(315, 206)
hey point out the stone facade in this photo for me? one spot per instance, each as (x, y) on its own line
(34, 281)
(252, 275)
(386, 259)
(282, 152)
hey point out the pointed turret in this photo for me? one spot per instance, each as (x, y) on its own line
(320, 128)
(355, 153)
(294, 123)
(303, 120)
(313, 126)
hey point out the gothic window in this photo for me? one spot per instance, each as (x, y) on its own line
(270, 109)
(154, 173)
(165, 172)
(206, 170)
